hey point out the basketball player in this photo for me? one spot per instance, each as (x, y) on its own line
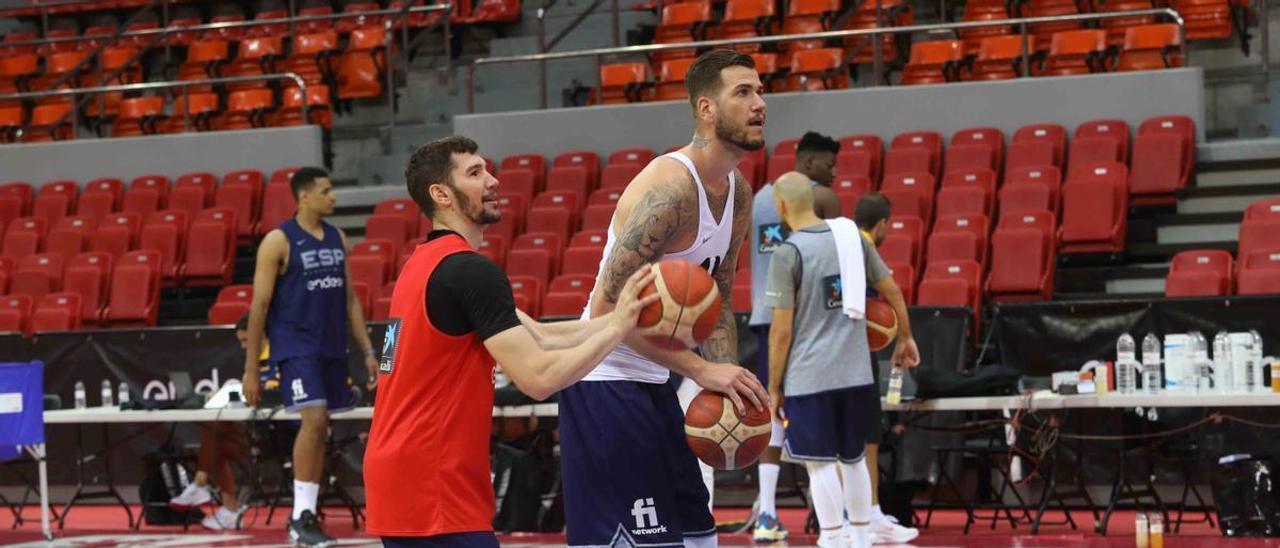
(303, 301)
(426, 465)
(819, 369)
(872, 216)
(816, 159)
(629, 476)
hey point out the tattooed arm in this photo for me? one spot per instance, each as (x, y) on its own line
(722, 345)
(656, 208)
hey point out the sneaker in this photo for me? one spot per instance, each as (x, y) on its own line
(833, 539)
(305, 531)
(223, 520)
(887, 532)
(769, 529)
(194, 495)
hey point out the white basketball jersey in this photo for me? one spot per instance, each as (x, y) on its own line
(708, 250)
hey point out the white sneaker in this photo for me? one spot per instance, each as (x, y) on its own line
(833, 539)
(222, 520)
(194, 495)
(887, 532)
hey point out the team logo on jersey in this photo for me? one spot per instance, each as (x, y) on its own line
(833, 292)
(646, 514)
(389, 344)
(299, 392)
(770, 235)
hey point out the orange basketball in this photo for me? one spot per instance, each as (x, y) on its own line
(722, 438)
(882, 324)
(688, 310)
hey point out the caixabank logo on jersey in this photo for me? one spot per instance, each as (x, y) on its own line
(833, 292)
(769, 236)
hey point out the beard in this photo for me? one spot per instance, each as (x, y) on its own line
(737, 136)
(476, 212)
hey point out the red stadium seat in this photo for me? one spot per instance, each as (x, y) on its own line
(278, 206)
(908, 160)
(146, 194)
(382, 303)
(15, 314)
(580, 158)
(495, 248)
(622, 83)
(576, 179)
(589, 238)
(631, 156)
(680, 23)
(386, 227)
(1053, 134)
(565, 303)
(954, 246)
(1199, 273)
(1022, 257)
(535, 262)
(1107, 128)
(952, 283)
(54, 201)
(1095, 207)
(605, 196)
(15, 201)
(6, 274)
(135, 290)
(192, 192)
(933, 62)
(1259, 273)
(56, 312)
(1157, 169)
(582, 260)
(25, 236)
(618, 176)
(552, 242)
(964, 200)
(70, 236)
(1029, 155)
(89, 275)
(1268, 208)
(535, 164)
(233, 302)
(905, 276)
(384, 250)
(241, 192)
(909, 194)
(1027, 197)
(1255, 235)
(370, 270)
(1076, 52)
(1044, 174)
(100, 198)
(166, 233)
(527, 291)
(37, 275)
(212, 263)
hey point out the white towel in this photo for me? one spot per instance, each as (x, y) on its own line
(853, 275)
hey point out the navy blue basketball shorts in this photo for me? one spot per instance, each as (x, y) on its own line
(630, 478)
(313, 381)
(828, 426)
(456, 540)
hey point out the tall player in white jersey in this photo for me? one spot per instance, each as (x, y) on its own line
(629, 476)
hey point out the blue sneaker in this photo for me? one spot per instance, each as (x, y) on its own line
(769, 529)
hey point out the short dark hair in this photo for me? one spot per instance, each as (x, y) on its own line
(703, 77)
(872, 208)
(430, 165)
(305, 179)
(816, 142)
(243, 323)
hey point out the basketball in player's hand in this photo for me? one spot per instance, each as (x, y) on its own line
(688, 309)
(722, 438)
(882, 324)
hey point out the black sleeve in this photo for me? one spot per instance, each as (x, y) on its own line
(468, 292)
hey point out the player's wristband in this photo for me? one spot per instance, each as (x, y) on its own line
(369, 353)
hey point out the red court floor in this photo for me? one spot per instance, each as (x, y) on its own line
(103, 526)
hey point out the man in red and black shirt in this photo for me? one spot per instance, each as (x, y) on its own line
(426, 467)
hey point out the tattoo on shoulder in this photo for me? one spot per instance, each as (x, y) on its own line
(655, 219)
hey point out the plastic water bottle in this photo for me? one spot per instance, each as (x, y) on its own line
(894, 396)
(1223, 370)
(1126, 377)
(1141, 530)
(1152, 380)
(1125, 349)
(1253, 362)
(123, 394)
(108, 395)
(1201, 366)
(82, 399)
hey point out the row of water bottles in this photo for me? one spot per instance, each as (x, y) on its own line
(1235, 366)
(108, 399)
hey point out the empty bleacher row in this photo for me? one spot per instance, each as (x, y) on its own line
(339, 59)
(982, 53)
(98, 242)
(1254, 270)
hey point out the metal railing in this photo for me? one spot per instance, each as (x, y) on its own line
(184, 84)
(159, 35)
(1022, 24)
